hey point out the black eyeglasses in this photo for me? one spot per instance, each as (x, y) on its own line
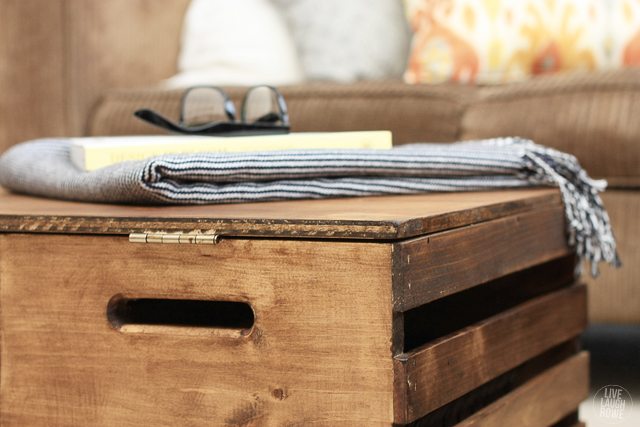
(208, 110)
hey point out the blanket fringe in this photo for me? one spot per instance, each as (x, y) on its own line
(589, 228)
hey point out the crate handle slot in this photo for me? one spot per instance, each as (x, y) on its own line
(178, 315)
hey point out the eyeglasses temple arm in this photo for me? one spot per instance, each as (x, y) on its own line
(157, 119)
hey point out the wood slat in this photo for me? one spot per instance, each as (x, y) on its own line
(454, 312)
(385, 217)
(465, 406)
(432, 267)
(540, 402)
(439, 372)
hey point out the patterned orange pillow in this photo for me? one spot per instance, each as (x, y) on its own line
(625, 33)
(494, 41)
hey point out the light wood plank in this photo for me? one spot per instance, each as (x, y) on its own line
(318, 354)
(441, 371)
(432, 267)
(542, 401)
(386, 217)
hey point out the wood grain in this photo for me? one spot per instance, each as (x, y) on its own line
(319, 353)
(447, 368)
(467, 405)
(380, 218)
(432, 267)
(544, 400)
(443, 316)
(322, 348)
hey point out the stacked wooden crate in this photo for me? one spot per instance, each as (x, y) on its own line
(430, 310)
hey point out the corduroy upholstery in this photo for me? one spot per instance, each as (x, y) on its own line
(73, 67)
(58, 57)
(615, 296)
(413, 113)
(591, 115)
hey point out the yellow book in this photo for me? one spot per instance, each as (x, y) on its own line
(93, 153)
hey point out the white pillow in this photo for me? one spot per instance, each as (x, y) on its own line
(348, 40)
(244, 42)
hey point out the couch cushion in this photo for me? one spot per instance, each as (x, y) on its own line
(330, 49)
(592, 115)
(215, 49)
(412, 113)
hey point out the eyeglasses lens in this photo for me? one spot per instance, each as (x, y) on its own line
(202, 106)
(261, 105)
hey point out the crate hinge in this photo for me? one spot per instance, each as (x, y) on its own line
(194, 238)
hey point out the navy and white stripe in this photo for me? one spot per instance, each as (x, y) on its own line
(44, 168)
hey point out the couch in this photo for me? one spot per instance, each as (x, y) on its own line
(77, 67)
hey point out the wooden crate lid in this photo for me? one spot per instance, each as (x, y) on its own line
(380, 218)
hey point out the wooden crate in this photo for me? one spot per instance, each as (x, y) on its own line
(443, 309)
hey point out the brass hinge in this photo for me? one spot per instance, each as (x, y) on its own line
(196, 238)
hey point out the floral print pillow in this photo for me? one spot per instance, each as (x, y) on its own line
(624, 36)
(495, 41)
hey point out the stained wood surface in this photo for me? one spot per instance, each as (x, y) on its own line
(454, 312)
(386, 217)
(488, 393)
(319, 353)
(439, 372)
(322, 348)
(434, 266)
(542, 401)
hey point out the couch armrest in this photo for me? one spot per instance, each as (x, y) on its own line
(59, 56)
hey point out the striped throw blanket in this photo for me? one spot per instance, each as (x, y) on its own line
(44, 168)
